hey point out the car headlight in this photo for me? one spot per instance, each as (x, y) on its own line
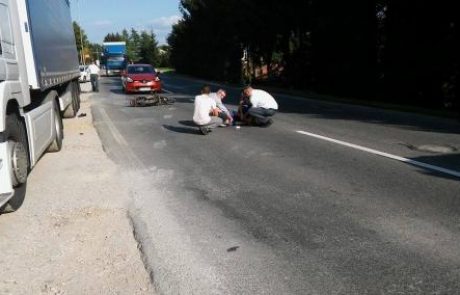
(128, 79)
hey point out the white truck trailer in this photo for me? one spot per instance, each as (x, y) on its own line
(39, 73)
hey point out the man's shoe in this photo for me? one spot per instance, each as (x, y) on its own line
(204, 130)
(269, 122)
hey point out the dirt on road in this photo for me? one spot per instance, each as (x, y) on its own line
(72, 235)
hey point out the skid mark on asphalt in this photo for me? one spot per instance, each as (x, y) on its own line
(125, 153)
(115, 133)
(383, 154)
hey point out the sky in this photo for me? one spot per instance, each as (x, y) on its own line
(100, 17)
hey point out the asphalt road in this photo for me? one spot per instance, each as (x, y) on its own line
(331, 199)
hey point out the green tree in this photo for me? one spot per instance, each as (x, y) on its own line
(164, 53)
(140, 47)
(133, 50)
(81, 38)
(113, 37)
(396, 50)
(95, 51)
(125, 35)
(206, 42)
(148, 48)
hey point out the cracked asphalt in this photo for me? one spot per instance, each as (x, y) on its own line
(328, 200)
(273, 211)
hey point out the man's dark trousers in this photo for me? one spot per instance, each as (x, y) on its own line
(95, 82)
(262, 115)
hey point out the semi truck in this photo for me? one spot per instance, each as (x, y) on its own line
(39, 86)
(114, 57)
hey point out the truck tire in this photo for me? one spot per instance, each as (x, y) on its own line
(77, 95)
(17, 138)
(72, 110)
(56, 145)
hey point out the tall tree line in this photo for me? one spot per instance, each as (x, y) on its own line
(402, 51)
(87, 51)
(141, 47)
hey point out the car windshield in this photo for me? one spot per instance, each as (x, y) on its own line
(141, 70)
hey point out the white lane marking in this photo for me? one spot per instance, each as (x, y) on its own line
(382, 154)
(116, 134)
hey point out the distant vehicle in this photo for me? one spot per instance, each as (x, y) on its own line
(140, 78)
(114, 57)
(84, 75)
(38, 87)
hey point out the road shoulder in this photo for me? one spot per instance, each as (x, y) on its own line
(73, 234)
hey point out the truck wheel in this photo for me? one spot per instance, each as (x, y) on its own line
(56, 145)
(77, 95)
(75, 98)
(72, 110)
(19, 157)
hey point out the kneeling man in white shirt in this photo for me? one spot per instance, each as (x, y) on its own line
(263, 106)
(206, 112)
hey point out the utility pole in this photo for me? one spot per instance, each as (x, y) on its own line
(82, 51)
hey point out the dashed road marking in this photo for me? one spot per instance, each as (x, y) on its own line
(383, 154)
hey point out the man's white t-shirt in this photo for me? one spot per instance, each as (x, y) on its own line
(203, 106)
(93, 69)
(262, 99)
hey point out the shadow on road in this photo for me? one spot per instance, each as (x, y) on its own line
(188, 123)
(182, 98)
(109, 82)
(448, 161)
(339, 111)
(313, 105)
(118, 90)
(183, 130)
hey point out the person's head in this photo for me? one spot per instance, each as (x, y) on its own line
(221, 93)
(206, 89)
(247, 91)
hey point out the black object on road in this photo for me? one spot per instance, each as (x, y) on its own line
(152, 100)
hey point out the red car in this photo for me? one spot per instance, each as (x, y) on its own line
(140, 78)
